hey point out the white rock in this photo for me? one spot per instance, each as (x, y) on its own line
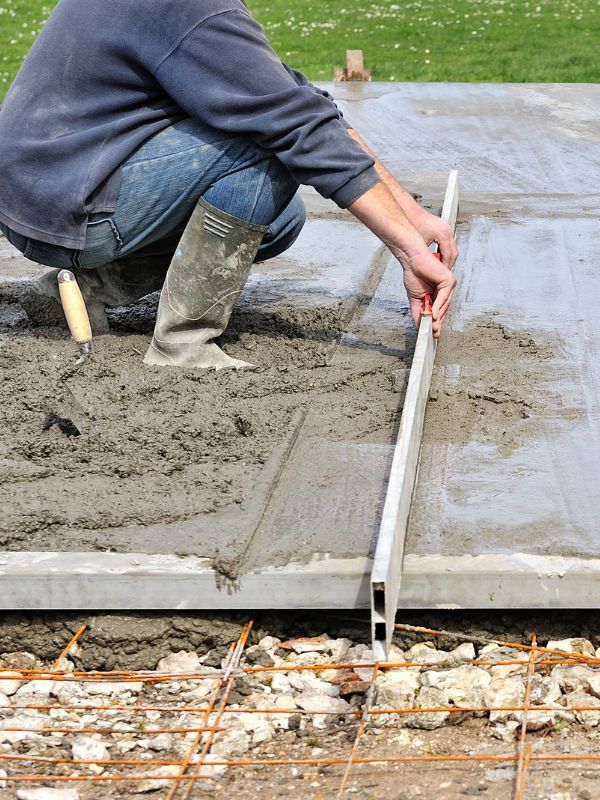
(590, 719)
(429, 697)
(280, 683)
(68, 692)
(180, 663)
(576, 645)
(9, 685)
(360, 652)
(156, 780)
(573, 679)
(201, 691)
(30, 722)
(307, 646)
(214, 772)
(63, 664)
(396, 655)
(322, 704)
(506, 670)
(286, 702)
(487, 649)
(328, 675)
(508, 692)
(309, 659)
(3, 777)
(338, 649)
(125, 746)
(506, 731)
(537, 720)
(594, 684)
(464, 652)
(269, 643)
(4, 701)
(44, 793)
(310, 683)
(113, 687)
(88, 748)
(544, 690)
(158, 742)
(397, 688)
(232, 742)
(364, 673)
(258, 726)
(459, 681)
(40, 687)
(424, 654)
(494, 653)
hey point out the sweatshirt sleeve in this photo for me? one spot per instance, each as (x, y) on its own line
(302, 80)
(225, 73)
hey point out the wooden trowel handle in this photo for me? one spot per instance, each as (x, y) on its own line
(74, 307)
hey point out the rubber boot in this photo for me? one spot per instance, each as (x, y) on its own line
(205, 277)
(118, 283)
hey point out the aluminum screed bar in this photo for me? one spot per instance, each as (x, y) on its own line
(386, 574)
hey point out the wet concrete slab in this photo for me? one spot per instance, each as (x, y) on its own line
(506, 506)
(539, 494)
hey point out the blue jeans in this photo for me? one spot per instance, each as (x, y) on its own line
(161, 183)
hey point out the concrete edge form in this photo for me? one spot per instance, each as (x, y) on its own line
(35, 581)
(387, 565)
(103, 581)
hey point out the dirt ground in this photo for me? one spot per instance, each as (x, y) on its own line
(492, 779)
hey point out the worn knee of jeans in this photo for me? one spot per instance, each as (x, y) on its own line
(255, 194)
(283, 231)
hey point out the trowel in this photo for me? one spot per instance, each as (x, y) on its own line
(72, 409)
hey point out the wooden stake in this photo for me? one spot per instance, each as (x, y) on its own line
(354, 69)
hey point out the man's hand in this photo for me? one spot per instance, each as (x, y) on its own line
(423, 273)
(434, 229)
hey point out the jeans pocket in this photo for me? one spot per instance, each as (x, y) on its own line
(102, 244)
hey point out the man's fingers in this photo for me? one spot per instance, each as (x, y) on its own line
(440, 306)
(439, 310)
(415, 309)
(448, 250)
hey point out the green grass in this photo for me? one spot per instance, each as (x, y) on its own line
(418, 40)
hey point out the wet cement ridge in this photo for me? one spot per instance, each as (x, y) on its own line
(253, 509)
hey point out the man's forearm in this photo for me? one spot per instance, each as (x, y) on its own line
(379, 210)
(404, 199)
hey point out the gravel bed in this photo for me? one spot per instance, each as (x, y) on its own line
(294, 712)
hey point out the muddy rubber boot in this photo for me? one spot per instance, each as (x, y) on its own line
(118, 283)
(205, 277)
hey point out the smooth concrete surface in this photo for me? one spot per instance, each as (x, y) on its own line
(490, 526)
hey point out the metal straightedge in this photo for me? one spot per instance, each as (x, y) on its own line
(387, 566)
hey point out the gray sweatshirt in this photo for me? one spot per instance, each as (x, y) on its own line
(103, 77)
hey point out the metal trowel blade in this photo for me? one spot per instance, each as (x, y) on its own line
(74, 409)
